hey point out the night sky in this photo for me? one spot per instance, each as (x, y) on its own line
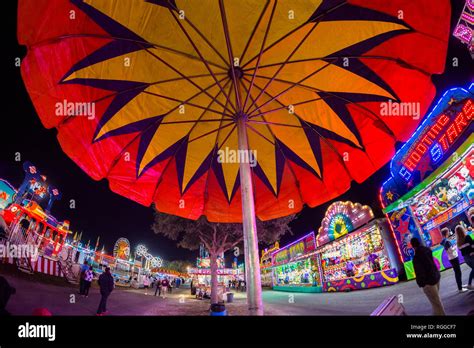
(99, 211)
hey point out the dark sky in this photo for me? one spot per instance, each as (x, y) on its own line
(99, 211)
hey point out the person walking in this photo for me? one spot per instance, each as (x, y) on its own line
(164, 286)
(466, 246)
(449, 244)
(427, 275)
(88, 277)
(84, 268)
(158, 287)
(106, 283)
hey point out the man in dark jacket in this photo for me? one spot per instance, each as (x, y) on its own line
(427, 275)
(106, 283)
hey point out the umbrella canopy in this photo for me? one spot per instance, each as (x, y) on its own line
(147, 94)
(232, 109)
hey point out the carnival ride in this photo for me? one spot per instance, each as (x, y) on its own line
(26, 220)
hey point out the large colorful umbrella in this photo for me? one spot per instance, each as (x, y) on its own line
(232, 109)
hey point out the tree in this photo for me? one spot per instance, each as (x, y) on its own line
(178, 266)
(216, 237)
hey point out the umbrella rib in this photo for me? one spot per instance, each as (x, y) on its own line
(191, 104)
(98, 36)
(198, 121)
(282, 153)
(399, 61)
(388, 130)
(321, 16)
(276, 124)
(320, 136)
(188, 79)
(260, 55)
(200, 55)
(160, 179)
(98, 100)
(206, 40)
(205, 198)
(227, 136)
(282, 66)
(259, 133)
(294, 84)
(231, 55)
(285, 107)
(254, 30)
(68, 118)
(210, 132)
(116, 158)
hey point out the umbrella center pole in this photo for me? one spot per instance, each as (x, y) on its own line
(252, 263)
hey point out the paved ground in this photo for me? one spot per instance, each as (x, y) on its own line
(61, 299)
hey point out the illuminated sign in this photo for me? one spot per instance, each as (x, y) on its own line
(207, 271)
(447, 215)
(342, 218)
(301, 247)
(438, 138)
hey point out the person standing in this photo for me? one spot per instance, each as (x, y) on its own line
(158, 287)
(106, 283)
(449, 245)
(88, 277)
(84, 268)
(466, 246)
(164, 286)
(427, 275)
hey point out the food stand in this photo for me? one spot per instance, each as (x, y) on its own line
(432, 178)
(355, 250)
(295, 267)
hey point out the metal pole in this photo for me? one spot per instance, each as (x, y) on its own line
(252, 264)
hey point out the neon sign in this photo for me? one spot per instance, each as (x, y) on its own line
(302, 246)
(437, 138)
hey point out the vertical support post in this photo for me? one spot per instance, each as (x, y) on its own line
(252, 264)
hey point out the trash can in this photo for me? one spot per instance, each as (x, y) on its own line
(230, 297)
(218, 310)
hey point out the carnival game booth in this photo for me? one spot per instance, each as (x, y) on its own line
(355, 250)
(431, 184)
(266, 265)
(296, 267)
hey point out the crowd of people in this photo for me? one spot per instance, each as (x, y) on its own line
(427, 274)
(238, 285)
(162, 285)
